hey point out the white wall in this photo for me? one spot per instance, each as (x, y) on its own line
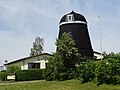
(24, 63)
(34, 60)
(98, 56)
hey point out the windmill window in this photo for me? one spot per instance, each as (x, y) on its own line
(70, 17)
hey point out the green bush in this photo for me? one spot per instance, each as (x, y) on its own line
(56, 69)
(105, 71)
(27, 75)
(66, 74)
(86, 71)
(13, 69)
(2, 76)
(108, 71)
(49, 73)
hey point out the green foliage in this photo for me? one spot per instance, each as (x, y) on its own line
(27, 75)
(66, 48)
(105, 71)
(13, 69)
(37, 46)
(49, 71)
(62, 64)
(2, 76)
(112, 55)
(55, 69)
(108, 71)
(23, 75)
(86, 71)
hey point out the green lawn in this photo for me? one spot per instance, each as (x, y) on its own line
(54, 85)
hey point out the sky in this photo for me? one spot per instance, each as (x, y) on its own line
(22, 20)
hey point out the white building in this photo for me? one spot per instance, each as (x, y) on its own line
(97, 55)
(37, 61)
(32, 62)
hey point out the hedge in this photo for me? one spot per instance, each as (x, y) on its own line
(108, 71)
(86, 71)
(2, 76)
(27, 75)
(105, 71)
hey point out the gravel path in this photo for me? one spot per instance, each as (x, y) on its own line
(8, 83)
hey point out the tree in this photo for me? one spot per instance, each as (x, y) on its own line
(66, 48)
(37, 46)
(13, 69)
(62, 64)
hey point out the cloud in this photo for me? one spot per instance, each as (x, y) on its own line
(22, 20)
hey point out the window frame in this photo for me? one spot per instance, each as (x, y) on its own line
(70, 17)
(33, 66)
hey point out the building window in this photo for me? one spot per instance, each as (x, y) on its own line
(70, 17)
(33, 65)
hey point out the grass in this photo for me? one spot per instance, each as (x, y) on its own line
(55, 85)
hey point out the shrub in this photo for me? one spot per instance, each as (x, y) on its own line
(86, 71)
(105, 71)
(108, 71)
(13, 69)
(49, 72)
(2, 76)
(27, 75)
(57, 70)
(66, 74)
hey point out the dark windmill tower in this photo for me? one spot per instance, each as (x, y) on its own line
(76, 25)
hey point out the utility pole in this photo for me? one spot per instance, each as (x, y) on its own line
(99, 19)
